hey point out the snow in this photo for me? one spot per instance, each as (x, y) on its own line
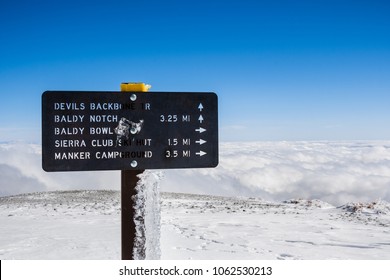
(233, 228)
(60, 225)
(86, 225)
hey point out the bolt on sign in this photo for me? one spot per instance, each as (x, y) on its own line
(85, 130)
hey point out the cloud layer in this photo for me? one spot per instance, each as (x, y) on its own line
(20, 160)
(336, 172)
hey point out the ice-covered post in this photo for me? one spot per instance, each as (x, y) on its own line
(129, 191)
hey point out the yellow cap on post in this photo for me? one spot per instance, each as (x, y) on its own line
(135, 87)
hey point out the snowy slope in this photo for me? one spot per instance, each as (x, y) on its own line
(60, 225)
(86, 225)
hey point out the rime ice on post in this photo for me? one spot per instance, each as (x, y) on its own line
(147, 216)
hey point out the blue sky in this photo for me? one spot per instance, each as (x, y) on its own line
(283, 70)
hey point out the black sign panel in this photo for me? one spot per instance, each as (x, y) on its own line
(128, 130)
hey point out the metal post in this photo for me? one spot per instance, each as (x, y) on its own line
(129, 180)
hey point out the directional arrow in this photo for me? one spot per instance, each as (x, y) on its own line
(201, 119)
(200, 107)
(201, 153)
(200, 141)
(200, 130)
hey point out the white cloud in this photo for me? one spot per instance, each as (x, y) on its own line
(25, 160)
(20, 182)
(336, 172)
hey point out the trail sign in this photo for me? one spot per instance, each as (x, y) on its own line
(85, 130)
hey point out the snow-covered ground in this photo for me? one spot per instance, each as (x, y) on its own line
(86, 225)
